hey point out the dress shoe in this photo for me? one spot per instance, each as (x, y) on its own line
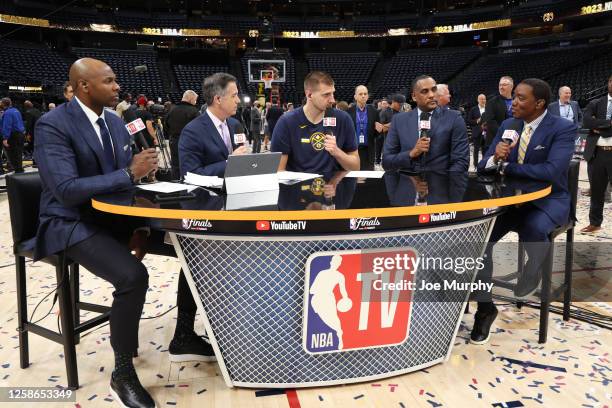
(190, 347)
(129, 393)
(590, 229)
(482, 326)
(527, 284)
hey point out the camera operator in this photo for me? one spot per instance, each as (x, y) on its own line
(148, 138)
(178, 117)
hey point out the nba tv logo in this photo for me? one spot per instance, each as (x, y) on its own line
(347, 306)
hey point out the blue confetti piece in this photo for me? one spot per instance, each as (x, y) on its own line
(401, 404)
(92, 397)
(201, 391)
(321, 398)
(434, 404)
(358, 396)
(508, 404)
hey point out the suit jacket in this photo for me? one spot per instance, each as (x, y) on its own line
(201, 149)
(472, 120)
(547, 158)
(255, 121)
(595, 119)
(448, 149)
(371, 129)
(70, 156)
(495, 114)
(556, 110)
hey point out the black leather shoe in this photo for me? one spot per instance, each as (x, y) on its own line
(191, 348)
(129, 393)
(482, 326)
(527, 284)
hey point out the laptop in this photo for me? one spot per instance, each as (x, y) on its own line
(246, 173)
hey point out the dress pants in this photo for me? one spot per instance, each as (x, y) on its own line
(533, 227)
(107, 256)
(600, 175)
(380, 142)
(174, 158)
(366, 159)
(257, 141)
(14, 152)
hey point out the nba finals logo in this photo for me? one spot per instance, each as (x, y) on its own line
(354, 300)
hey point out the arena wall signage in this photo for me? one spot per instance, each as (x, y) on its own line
(473, 26)
(319, 34)
(182, 32)
(29, 21)
(596, 8)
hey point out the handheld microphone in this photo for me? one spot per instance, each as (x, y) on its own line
(424, 127)
(511, 135)
(239, 135)
(329, 121)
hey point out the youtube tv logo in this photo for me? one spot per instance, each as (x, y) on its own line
(424, 218)
(263, 226)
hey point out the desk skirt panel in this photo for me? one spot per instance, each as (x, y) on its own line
(250, 290)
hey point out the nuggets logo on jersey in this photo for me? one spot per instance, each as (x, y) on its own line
(317, 141)
(354, 300)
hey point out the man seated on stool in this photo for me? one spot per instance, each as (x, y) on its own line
(82, 151)
(308, 141)
(208, 140)
(543, 152)
(446, 146)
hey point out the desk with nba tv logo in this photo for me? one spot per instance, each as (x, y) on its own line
(332, 280)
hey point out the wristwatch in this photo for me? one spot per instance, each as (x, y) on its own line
(129, 173)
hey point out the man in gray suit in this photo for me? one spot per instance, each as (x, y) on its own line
(566, 108)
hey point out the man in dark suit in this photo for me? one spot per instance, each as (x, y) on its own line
(273, 114)
(207, 141)
(474, 119)
(444, 149)
(365, 118)
(83, 151)
(598, 154)
(179, 116)
(498, 109)
(566, 108)
(543, 153)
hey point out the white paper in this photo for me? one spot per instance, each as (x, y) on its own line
(366, 174)
(288, 176)
(203, 181)
(166, 187)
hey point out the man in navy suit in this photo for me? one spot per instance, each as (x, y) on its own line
(208, 140)
(543, 152)
(566, 108)
(83, 151)
(446, 146)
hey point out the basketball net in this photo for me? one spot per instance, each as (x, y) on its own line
(267, 83)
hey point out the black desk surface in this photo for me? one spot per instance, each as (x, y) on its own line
(332, 204)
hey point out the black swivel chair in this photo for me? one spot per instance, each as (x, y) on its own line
(545, 293)
(24, 192)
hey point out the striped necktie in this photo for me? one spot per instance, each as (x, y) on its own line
(525, 137)
(609, 111)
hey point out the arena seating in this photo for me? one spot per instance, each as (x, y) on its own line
(191, 76)
(29, 63)
(123, 63)
(483, 76)
(348, 70)
(440, 64)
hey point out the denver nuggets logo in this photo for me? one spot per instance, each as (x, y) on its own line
(317, 140)
(317, 186)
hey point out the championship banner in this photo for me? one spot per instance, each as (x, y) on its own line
(358, 299)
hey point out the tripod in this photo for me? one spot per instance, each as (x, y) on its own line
(163, 146)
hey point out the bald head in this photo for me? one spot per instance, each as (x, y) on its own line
(482, 100)
(94, 83)
(442, 95)
(565, 94)
(361, 95)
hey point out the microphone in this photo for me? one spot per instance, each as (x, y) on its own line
(424, 127)
(511, 135)
(329, 121)
(239, 135)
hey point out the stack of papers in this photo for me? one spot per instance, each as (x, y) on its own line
(292, 177)
(366, 174)
(203, 181)
(165, 187)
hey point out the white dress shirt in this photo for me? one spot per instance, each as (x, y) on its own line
(93, 118)
(221, 126)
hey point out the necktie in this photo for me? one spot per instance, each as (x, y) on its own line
(109, 156)
(226, 137)
(609, 111)
(525, 137)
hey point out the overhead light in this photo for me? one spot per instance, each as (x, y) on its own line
(246, 99)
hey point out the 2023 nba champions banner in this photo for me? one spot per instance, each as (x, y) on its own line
(358, 299)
